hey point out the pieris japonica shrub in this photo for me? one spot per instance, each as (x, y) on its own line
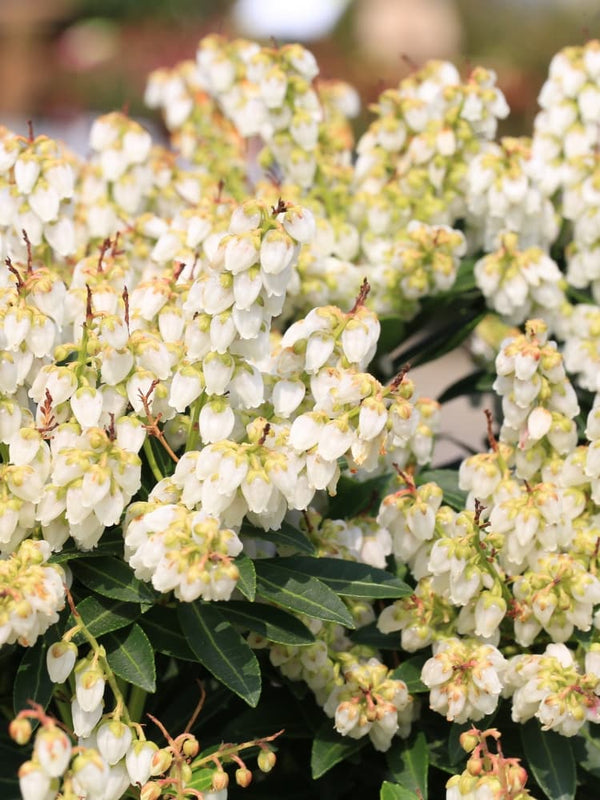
(224, 551)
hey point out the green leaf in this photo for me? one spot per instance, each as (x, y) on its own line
(551, 760)
(461, 319)
(111, 577)
(586, 749)
(410, 672)
(392, 791)
(219, 648)
(286, 537)
(329, 748)
(11, 758)
(102, 615)
(349, 578)
(201, 779)
(161, 624)
(354, 497)
(272, 623)
(465, 279)
(111, 544)
(393, 333)
(247, 580)
(303, 594)
(130, 656)
(477, 382)
(438, 755)
(32, 681)
(447, 480)
(409, 763)
(371, 636)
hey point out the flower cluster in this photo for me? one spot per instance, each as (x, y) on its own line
(180, 551)
(32, 593)
(189, 346)
(370, 702)
(551, 687)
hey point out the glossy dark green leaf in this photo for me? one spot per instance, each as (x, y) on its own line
(408, 761)
(410, 672)
(329, 748)
(161, 624)
(393, 791)
(221, 649)
(201, 779)
(247, 580)
(111, 544)
(477, 382)
(393, 333)
(465, 279)
(102, 615)
(32, 681)
(447, 480)
(130, 656)
(11, 757)
(371, 636)
(462, 319)
(303, 594)
(272, 623)
(586, 749)
(287, 537)
(111, 577)
(354, 497)
(550, 758)
(349, 578)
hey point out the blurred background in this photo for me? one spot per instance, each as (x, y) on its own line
(62, 59)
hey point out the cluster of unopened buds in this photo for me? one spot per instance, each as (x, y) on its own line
(487, 774)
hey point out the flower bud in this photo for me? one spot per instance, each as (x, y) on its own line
(468, 741)
(20, 730)
(243, 777)
(150, 791)
(266, 760)
(220, 780)
(475, 766)
(161, 761)
(190, 747)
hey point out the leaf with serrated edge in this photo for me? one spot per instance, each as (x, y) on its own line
(329, 748)
(102, 615)
(247, 580)
(130, 656)
(112, 578)
(272, 623)
(162, 627)
(409, 763)
(32, 681)
(286, 536)
(219, 648)
(301, 593)
(349, 578)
